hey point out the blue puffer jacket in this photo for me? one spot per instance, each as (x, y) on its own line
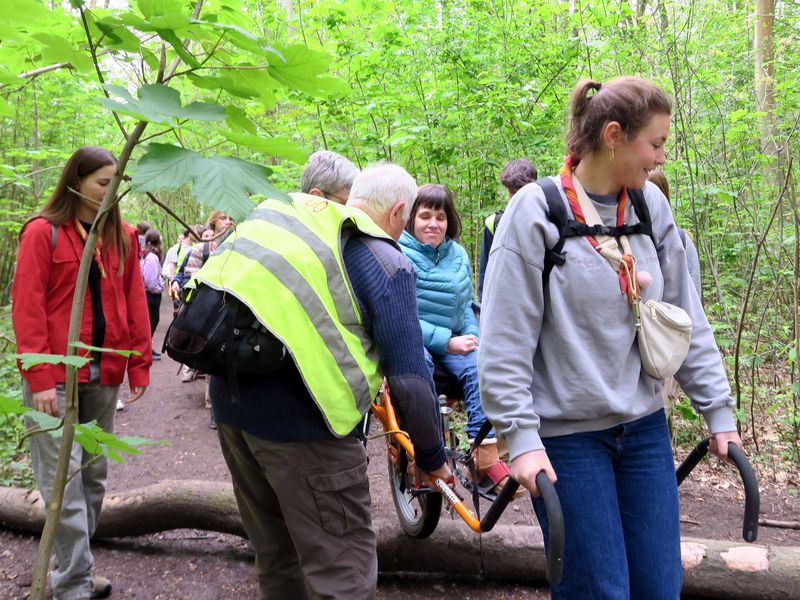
(444, 291)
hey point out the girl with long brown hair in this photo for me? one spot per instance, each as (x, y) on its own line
(114, 316)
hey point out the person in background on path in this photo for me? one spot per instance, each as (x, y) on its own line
(516, 174)
(328, 175)
(170, 265)
(560, 372)
(448, 322)
(190, 237)
(218, 225)
(114, 316)
(141, 229)
(692, 258)
(670, 391)
(153, 282)
(291, 441)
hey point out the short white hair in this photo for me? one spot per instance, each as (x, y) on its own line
(329, 172)
(380, 186)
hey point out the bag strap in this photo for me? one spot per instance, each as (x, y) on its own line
(206, 251)
(607, 246)
(53, 236)
(557, 213)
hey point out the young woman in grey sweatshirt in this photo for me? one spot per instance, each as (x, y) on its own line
(559, 367)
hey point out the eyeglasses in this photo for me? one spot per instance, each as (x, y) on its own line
(335, 197)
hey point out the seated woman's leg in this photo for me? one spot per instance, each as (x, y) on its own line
(464, 367)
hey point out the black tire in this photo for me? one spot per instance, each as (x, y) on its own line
(418, 514)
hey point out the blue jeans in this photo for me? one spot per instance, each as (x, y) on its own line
(464, 368)
(619, 496)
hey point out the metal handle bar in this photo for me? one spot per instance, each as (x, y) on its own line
(752, 499)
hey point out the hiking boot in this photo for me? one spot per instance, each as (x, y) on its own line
(156, 355)
(492, 472)
(102, 587)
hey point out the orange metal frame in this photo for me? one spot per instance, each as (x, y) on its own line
(383, 409)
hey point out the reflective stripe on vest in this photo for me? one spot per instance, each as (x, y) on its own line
(285, 263)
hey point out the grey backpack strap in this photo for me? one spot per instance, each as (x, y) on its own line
(53, 236)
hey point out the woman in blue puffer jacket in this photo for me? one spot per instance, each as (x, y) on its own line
(444, 301)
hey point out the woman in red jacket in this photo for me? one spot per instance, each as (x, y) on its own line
(114, 316)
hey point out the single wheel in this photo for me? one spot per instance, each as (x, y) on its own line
(418, 513)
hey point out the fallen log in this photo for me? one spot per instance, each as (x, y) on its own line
(713, 569)
(171, 504)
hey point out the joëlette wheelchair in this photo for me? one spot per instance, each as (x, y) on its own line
(419, 508)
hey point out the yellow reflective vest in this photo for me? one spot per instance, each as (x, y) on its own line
(285, 263)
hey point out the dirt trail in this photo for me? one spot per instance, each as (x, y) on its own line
(199, 565)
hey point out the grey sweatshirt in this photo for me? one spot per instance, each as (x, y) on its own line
(564, 359)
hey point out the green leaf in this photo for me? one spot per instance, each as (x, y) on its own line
(245, 83)
(155, 8)
(94, 440)
(302, 70)
(125, 353)
(29, 359)
(116, 35)
(158, 103)
(45, 421)
(56, 49)
(219, 182)
(6, 110)
(12, 406)
(173, 40)
(237, 119)
(270, 146)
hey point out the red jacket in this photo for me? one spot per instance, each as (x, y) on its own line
(44, 283)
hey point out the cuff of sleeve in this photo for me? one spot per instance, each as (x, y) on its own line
(139, 377)
(39, 379)
(522, 441)
(430, 460)
(439, 341)
(720, 420)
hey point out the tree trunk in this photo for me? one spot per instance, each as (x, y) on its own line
(764, 83)
(713, 569)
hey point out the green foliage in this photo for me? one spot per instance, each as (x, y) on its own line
(31, 359)
(94, 440)
(125, 353)
(449, 90)
(161, 105)
(219, 181)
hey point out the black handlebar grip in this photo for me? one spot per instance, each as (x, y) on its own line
(752, 498)
(690, 462)
(499, 505)
(555, 519)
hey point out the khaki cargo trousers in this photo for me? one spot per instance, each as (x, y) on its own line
(306, 509)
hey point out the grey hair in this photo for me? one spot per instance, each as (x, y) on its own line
(380, 186)
(327, 171)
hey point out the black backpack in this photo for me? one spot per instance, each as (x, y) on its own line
(215, 333)
(567, 228)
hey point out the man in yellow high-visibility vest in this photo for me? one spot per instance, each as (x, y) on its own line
(330, 283)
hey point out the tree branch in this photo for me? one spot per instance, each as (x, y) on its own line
(96, 64)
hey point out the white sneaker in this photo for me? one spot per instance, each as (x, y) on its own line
(120, 404)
